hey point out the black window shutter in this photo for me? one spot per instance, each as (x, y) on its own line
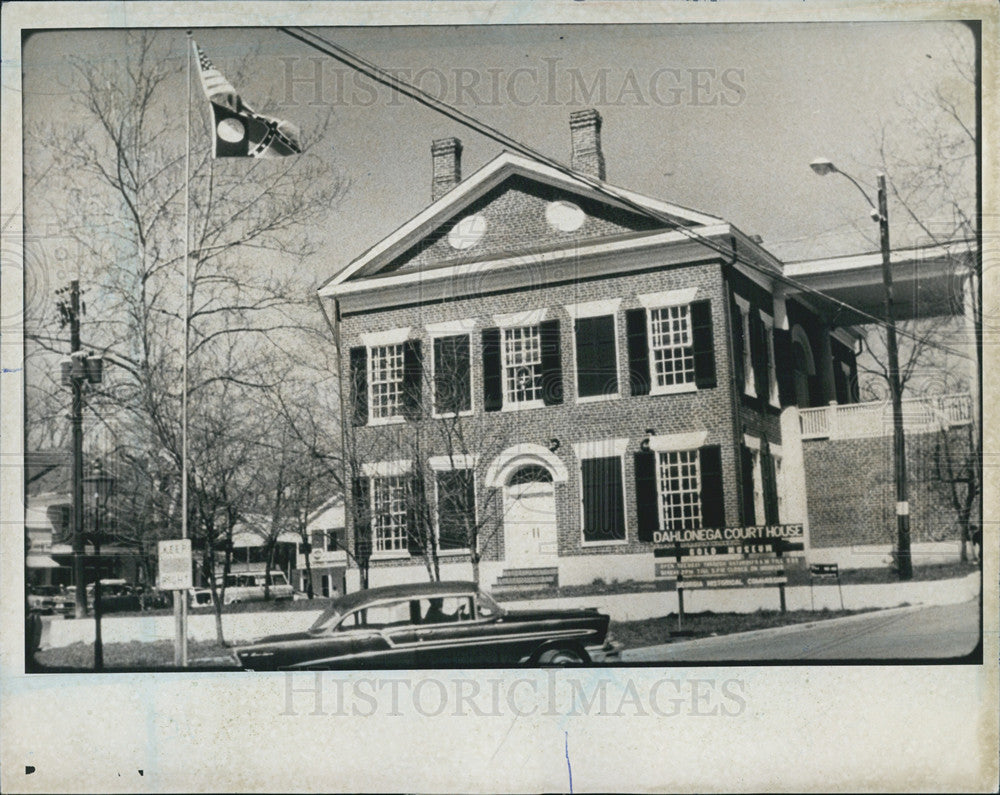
(413, 370)
(638, 351)
(603, 507)
(758, 354)
(416, 529)
(784, 364)
(596, 358)
(713, 509)
(361, 492)
(739, 348)
(646, 500)
(452, 385)
(359, 385)
(770, 484)
(746, 472)
(704, 344)
(492, 375)
(552, 389)
(456, 508)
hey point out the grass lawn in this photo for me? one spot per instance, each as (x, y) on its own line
(654, 631)
(129, 656)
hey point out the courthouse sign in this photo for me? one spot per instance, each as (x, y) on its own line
(727, 557)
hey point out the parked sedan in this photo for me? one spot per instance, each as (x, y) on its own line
(434, 625)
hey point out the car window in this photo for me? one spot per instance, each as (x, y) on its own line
(486, 607)
(379, 615)
(445, 609)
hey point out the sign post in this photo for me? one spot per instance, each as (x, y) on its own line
(175, 574)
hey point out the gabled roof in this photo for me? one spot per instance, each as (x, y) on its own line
(504, 168)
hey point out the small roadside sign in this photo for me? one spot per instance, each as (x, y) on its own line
(824, 570)
(175, 570)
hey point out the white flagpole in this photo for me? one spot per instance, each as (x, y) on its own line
(182, 595)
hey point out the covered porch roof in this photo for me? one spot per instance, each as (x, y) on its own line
(928, 281)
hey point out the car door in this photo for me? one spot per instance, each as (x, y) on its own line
(461, 635)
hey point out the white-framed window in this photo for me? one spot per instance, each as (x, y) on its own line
(772, 368)
(522, 366)
(671, 348)
(388, 511)
(679, 489)
(385, 382)
(749, 382)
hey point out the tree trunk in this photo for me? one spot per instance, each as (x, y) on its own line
(268, 563)
(216, 596)
(309, 574)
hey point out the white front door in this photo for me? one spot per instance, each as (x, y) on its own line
(530, 524)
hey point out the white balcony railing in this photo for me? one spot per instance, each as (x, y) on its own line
(868, 420)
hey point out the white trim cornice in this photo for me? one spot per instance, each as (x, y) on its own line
(678, 441)
(384, 469)
(668, 298)
(444, 463)
(394, 336)
(601, 448)
(606, 306)
(449, 327)
(527, 317)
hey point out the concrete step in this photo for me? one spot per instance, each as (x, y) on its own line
(527, 579)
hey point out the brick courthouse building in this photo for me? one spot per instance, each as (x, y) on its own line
(541, 376)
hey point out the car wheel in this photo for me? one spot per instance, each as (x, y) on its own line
(563, 655)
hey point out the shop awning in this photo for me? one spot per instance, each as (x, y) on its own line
(40, 562)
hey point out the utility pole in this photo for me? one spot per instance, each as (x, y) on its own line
(76, 417)
(80, 367)
(904, 561)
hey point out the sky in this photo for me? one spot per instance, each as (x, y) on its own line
(721, 118)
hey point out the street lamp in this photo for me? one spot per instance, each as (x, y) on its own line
(880, 214)
(102, 485)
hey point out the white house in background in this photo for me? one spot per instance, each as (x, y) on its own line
(323, 558)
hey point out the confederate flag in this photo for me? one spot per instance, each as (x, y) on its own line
(239, 131)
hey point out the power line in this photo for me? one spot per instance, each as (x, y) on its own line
(396, 83)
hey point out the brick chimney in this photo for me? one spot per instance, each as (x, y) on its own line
(446, 159)
(585, 129)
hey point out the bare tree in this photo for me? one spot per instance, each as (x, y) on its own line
(112, 179)
(932, 184)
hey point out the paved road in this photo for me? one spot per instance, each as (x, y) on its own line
(903, 633)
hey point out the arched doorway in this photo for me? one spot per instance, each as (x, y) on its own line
(530, 517)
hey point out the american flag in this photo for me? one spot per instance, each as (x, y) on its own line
(238, 130)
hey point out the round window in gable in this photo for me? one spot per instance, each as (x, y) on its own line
(467, 232)
(564, 216)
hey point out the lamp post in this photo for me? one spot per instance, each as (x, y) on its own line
(880, 214)
(102, 484)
